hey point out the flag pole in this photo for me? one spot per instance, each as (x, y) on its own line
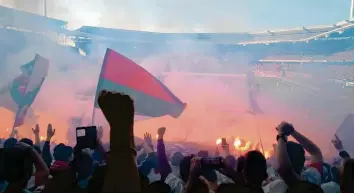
(257, 129)
(93, 116)
(17, 113)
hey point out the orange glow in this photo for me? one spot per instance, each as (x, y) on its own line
(246, 147)
(267, 154)
(237, 143)
(218, 141)
(42, 138)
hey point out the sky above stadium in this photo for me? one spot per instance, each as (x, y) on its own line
(191, 15)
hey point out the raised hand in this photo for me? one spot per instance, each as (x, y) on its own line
(36, 130)
(118, 110)
(161, 132)
(195, 168)
(50, 132)
(148, 139)
(100, 132)
(337, 143)
(285, 128)
(114, 105)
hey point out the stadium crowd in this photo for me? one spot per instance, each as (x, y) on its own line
(28, 166)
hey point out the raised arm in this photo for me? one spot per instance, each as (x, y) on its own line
(42, 171)
(163, 163)
(309, 146)
(285, 167)
(46, 151)
(338, 145)
(122, 173)
(100, 148)
(36, 131)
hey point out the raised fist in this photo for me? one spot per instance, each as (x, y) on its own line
(114, 105)
(161, 132)
(285, 128)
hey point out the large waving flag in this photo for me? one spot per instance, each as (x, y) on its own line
(151, 97)
(24, 89)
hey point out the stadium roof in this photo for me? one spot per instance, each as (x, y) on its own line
(340, 30)
(24, 20)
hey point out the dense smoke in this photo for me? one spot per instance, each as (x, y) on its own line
(217, 106)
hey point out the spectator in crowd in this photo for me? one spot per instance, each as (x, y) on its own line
(347, 168)
(17, 167)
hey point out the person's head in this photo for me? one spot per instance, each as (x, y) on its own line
(10, 142)
(27, 141)
(297, 157)
(255, 168)
(17, 166)
(240, 164)
(176, 158)
(158, 187)
(62, 153)
(347, 177)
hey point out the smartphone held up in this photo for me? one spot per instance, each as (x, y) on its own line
(86, 137)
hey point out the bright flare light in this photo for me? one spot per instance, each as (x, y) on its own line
(219, 141)
(237, 143)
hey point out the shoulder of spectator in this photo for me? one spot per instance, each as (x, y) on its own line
(175, 183)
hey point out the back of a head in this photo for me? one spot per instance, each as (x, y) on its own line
(347, 177)
(62, 152)
(17, 164)
(159, 187)
(27, 141)
(10, 142)
(304, 187)
(297, 157)
(176, 158)
(255, 168)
